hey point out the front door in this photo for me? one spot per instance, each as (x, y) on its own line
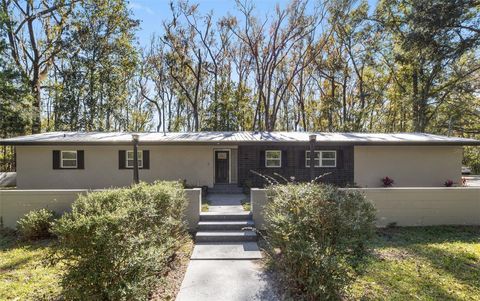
(222, 166)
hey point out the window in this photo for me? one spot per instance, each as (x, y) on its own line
(316, 159)
(273, 158)
(322, 159)
(329, 158)
(68, 159)
(129, 157)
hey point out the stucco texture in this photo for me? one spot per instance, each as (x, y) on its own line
(16, 203)
(407, 206)
(408, 166)
(192, 163)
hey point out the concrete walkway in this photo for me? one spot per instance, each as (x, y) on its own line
(226, 203)
(226, 280)
(226, 270)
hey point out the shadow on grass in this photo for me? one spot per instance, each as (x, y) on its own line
(434, 263)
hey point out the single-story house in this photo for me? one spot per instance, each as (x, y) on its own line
(68, 160)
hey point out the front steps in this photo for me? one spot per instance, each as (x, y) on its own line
(225, 188)
(226, 227)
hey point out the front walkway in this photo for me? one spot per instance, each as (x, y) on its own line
(226, 202)
(226, 270)
(226, 280)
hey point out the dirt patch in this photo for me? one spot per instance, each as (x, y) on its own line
(171, 283)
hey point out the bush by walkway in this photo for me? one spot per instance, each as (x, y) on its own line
(119, 243)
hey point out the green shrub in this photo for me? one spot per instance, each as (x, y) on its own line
(36, 224)
(317, 236)
(118, 243)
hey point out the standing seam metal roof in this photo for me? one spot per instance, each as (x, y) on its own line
(234, 137)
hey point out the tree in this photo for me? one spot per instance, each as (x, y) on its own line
(34, 30)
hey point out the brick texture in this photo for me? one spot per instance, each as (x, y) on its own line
(249, 158)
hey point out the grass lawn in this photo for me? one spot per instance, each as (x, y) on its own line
(22, 273)
(431, 263)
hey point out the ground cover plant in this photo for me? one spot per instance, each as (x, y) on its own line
(421, 263)
(316, 236)
(24, 274)
(119, 243)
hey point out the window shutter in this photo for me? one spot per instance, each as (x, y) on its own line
(301, 159)
(146, 159)
(261, 162)
(121, 159)
(340, 158)
(80, 159)
(56, 159)
(284, 159)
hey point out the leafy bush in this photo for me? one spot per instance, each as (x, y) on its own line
(118, 243)
(387, 182)
(36, 224)
(317, 236)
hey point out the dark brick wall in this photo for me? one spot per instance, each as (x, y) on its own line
(249, 159)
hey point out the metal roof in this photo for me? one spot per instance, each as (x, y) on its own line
(96, 138)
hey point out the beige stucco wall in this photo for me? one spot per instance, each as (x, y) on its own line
(34, 167)
(409, 166)
(407, 206)
(16, 203)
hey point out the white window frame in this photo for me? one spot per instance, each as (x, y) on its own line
(140, 159)
(320, 159)
(307, 159)
(279, 158)
(68, 159)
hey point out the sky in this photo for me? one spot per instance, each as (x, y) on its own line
(152, 13)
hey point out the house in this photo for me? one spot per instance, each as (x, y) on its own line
(67, 160)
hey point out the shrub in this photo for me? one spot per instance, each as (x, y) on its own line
(118, 243)
(387, 182)
(36, 224)
(317, 236)
(448, 183)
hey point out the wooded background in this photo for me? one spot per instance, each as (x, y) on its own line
(310, 66)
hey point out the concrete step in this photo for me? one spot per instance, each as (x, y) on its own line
(225, 236)
(224, 225)
(220, 216)
(226, 251)
(225, 188)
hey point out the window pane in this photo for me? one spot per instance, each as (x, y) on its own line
(328, 155)
(328, 162)
(273, 163)
(130, 163)
(69, 155)
(273, 154)
(130, 155)
(69, 163)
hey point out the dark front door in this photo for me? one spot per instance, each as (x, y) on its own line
(221, 166)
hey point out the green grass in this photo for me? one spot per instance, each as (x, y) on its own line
(246, 205)
(205, 204)
(23, 275)
(431, 263)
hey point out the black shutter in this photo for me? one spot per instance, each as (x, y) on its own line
(121, 159)
(146, 159)
(80, 159)
(261, 162)
(301, 159)
(284, 159)
(56, 159)
(340, 159)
